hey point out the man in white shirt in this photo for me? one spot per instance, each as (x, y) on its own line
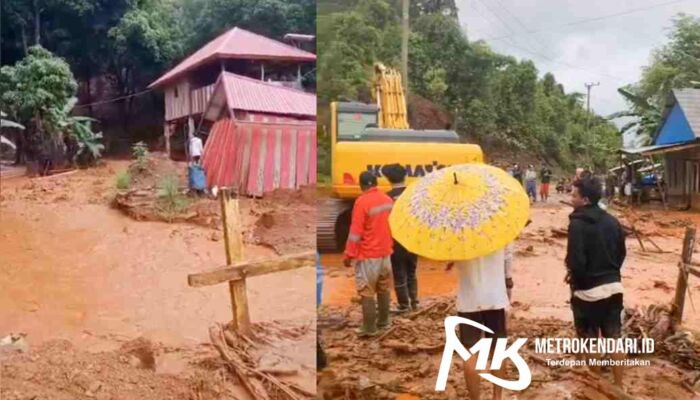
(196, 149)
(594, 257)
(485, 285)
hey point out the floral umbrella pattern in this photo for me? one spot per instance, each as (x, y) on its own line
(461, 212)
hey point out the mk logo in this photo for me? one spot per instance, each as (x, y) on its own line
(483, 347)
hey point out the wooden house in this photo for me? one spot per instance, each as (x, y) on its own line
(678, 141)
(189, 85)
(263, 136)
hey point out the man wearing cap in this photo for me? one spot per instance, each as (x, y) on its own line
(403, 262)
(369, 248)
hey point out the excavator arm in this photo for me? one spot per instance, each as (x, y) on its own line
(390, 98)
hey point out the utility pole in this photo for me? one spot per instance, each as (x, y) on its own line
(589, 86)
(404, 46)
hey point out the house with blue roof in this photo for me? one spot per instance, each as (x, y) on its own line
(678, 141)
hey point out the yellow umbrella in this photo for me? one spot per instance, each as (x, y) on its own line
(460, 212)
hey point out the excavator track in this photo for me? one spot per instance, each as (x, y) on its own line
(332, 224)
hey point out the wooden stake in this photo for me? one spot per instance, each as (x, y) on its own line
(233, 240)
(166, 133)
(682, 281)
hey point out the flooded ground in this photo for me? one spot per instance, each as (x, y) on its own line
(648, 276)
(73, 268)
(404, 361)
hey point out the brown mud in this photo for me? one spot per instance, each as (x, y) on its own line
(75, 269)
(405, 363)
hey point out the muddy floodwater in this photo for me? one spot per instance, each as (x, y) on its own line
(648, 276)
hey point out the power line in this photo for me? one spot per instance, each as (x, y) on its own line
(497, 15)
(592, 19)
(114, 99)
(473, 4)
(617, 78)
(535, 47)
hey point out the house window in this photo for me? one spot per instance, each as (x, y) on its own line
(176, 92)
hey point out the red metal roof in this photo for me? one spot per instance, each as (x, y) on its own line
(241, 44)
(243, 93)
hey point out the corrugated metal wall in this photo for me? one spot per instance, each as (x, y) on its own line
(258, 157)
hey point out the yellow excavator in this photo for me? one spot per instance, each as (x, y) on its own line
(365, 137)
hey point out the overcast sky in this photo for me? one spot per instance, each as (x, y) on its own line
(608, 50)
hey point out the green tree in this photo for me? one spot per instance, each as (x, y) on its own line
(36, 91)
(676, 64)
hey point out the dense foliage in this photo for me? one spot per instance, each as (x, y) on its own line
(496, 100)
(124, 43)
(674, 65)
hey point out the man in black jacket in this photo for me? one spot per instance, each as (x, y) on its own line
(403, 263)
(595, 253)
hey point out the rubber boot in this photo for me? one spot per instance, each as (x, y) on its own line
(413, 294)
(383, 303)
(369, 317)
(402, 299)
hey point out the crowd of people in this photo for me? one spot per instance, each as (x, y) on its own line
(595, 254)
(529, 179)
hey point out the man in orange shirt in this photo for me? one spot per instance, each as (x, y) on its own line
(369, 247)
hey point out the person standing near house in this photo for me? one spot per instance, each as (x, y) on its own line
(369, 248)
(196, 148)
(531, 182)
(403, 262)
(545, 179)
(485, 286)
(594, 257)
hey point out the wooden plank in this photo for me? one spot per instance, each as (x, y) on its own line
(233, 241)
(248, 269)
(682, 281)
(692, 271)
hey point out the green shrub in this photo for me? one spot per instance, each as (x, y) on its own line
(140, 153)
(170, 201)
(123, 180)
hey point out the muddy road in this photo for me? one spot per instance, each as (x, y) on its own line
(648, 276)
(404, 362)
(74, 268)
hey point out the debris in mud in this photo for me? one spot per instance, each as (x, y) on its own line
(142, 351)
(257, 376)
(14, 343)
(662, 285)
(282, 219)
(404, 360)
(655, 322)
(58, 370)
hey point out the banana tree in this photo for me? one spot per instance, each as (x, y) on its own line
(647, 117)
(80, 129)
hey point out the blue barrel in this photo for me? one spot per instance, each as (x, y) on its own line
(197, 179)
(319, 280)
(649, 180)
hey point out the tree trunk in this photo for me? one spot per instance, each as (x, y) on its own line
(25, 46)
(37, 23)
(89, 96)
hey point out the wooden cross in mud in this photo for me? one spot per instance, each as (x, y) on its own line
(236, 270)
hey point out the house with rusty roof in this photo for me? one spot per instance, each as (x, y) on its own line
(244, 92)
(188, 86)
(677, 140)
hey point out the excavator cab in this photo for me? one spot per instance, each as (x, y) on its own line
(352, 119)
